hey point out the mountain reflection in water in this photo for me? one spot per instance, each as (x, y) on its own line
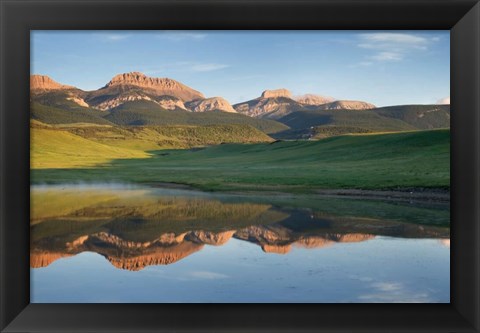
(137, 227)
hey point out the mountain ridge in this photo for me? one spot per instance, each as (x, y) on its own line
(133, 99)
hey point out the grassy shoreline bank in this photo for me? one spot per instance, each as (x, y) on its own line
(393, 162)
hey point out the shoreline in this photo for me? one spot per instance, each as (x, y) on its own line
(410, 195)
(422, 195)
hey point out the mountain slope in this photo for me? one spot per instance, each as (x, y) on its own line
(270, 107)
(64, 115)
(275, 104)
(168, 93)
(311, 99)
(156, 86)
(324, 123)
(347, 105)
(420, 116)
(148, 113)
(166, 137)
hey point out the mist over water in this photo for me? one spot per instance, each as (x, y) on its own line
(85, 186)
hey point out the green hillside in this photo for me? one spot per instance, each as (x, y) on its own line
(326, 123)
(61, 99)
(81, 144)
(366, 119)
(420, 116)
(174, 136)
(149, 113)
(54, 115)
(54, 148)
(380, 161)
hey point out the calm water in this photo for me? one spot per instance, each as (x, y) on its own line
(117, 243)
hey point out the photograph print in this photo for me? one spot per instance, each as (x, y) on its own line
(240, 166)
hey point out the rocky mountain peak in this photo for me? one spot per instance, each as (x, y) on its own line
(348, 105)
(136, 78)
(276, 93)
(44, 82)
(312, 99)
(210, 104)
(161, 86)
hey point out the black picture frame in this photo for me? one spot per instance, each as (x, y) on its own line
(461, 17)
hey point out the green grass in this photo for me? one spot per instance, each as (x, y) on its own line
(164, 137)
(138, 138)
(53, 148)
(382, 161)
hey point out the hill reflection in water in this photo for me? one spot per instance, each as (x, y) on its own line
(135, 227)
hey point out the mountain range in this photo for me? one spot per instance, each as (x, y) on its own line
(136, 99)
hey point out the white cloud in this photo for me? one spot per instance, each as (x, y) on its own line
(392, 46)
(402, 40)
(388, 56)
(445, 100)
(208, 67)
(179, 35)
(393, 292)
(113, 37)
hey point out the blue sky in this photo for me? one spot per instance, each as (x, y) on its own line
(381, 67)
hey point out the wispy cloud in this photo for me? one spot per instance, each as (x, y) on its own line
(184, 66)
(208, 67)
(112, 37)
(178, 35)
(387, 56)
(394, 292)
(391, 46)
(445, 100)
(391, 39)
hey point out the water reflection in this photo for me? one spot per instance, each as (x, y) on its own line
(137, 227)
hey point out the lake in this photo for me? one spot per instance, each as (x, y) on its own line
(118, 243)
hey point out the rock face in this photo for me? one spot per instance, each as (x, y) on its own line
(173, 95)
(40, 259)
(278, 249)
(276, 93)
(210, 104)
(78, 101)
(348, 105)
(311, 99)
(210, 238)
(167, 102)
(155, 256)
(45, 83)
(271, 104)
(159, 86)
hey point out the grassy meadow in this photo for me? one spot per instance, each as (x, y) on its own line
(210, 160)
